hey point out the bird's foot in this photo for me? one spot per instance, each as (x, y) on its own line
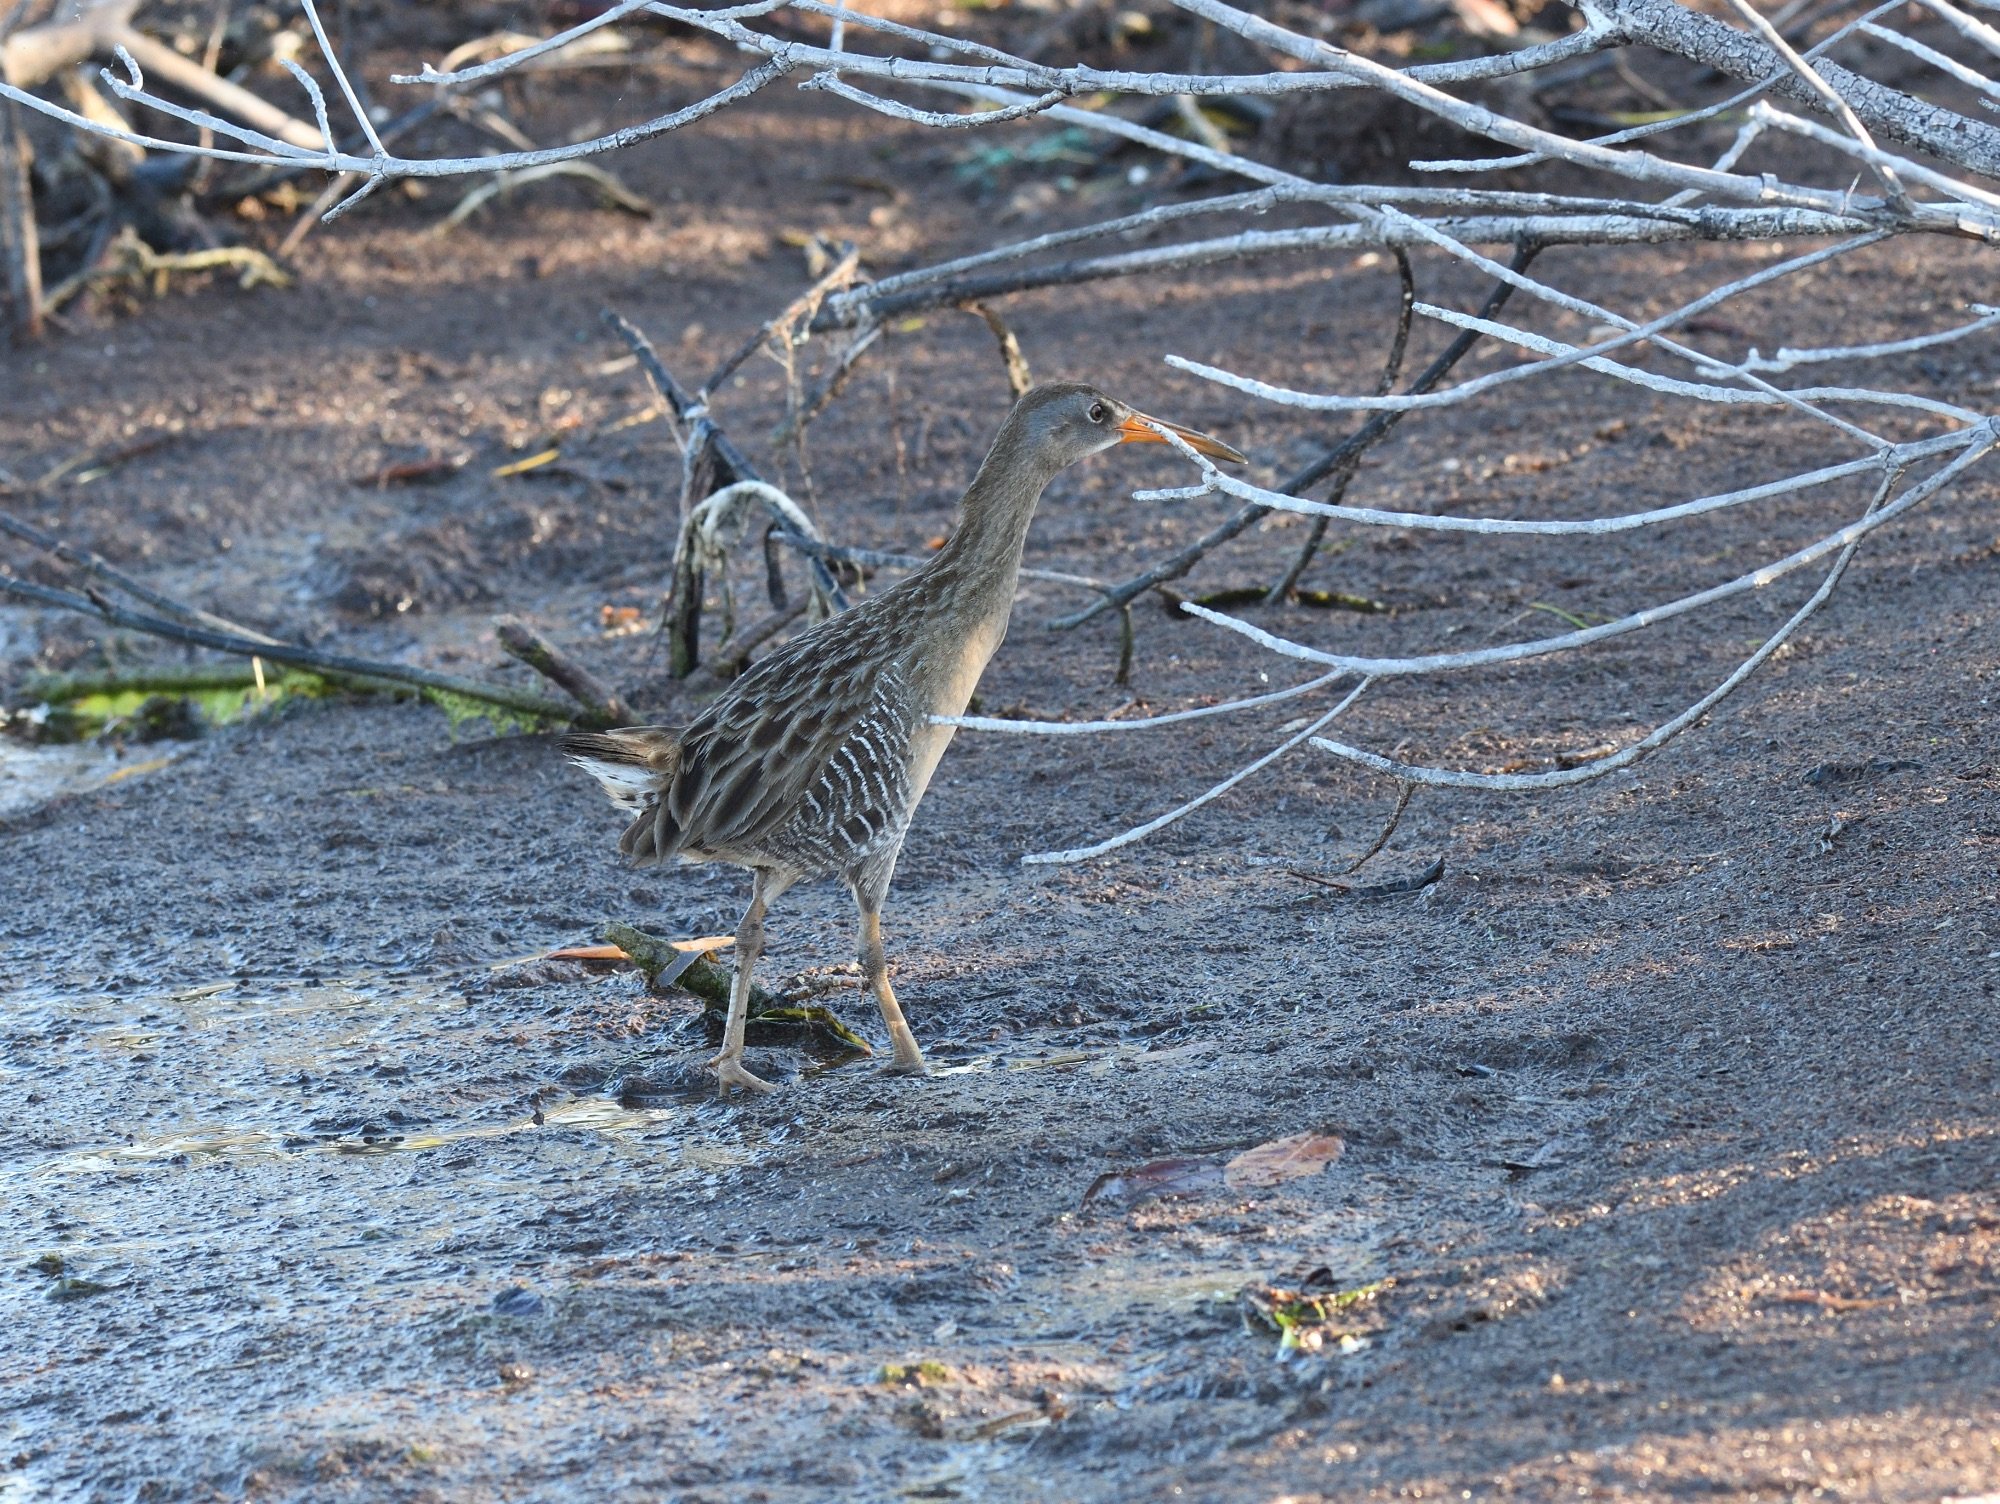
(730, 1071)
(908, 1059)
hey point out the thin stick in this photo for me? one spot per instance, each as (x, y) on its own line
(1388, 830)
(1159, 822)
(1598, 767)
(687, 412)
(804, 306)
(1342, 459)
(185, 73)
(1019, 379)
(828, 386)
(1515, 652)
(733, 656)
(94, 564)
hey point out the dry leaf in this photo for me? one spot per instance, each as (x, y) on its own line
(622, 621)
(1290, 1158)
(701, 946)
(588, 953)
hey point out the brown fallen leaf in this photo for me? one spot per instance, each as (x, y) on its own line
(1270, 1164)
(588, 953)
(1291, 1158)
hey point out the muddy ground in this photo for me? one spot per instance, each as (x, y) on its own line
(1669, 1114)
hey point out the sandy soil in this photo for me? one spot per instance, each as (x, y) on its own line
(1669, 1116)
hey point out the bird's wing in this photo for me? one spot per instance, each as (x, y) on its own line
(749, 760)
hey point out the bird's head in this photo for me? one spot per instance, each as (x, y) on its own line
(1065, 421)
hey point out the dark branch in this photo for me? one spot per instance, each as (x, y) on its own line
(1340, 462)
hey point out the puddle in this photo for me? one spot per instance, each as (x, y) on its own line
(595, 1114)
(250, 1073)
(32, 775)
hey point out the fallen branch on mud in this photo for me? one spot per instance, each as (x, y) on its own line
(337, 667)
(545, 658)
(665, 963)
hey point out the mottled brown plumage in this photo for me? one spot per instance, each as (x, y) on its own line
(813, 762)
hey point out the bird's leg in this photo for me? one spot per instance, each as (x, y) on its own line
(908, 1060)
(728, 1066)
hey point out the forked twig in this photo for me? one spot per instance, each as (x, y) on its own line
(1388, 830)
(1339, 462)
(1391, 369)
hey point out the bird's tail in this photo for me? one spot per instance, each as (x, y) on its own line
(636, 767)
(635, 764)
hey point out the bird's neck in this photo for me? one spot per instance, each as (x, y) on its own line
(982, 558)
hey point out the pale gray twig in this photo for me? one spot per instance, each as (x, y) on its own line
(1624, 757)
(1160, 822)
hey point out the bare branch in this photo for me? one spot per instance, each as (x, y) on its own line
(1897, 116)
(1756, 579)
(1160, 822)
(1019, 378)
(521, 702)
(552, 663)
(1338, 462)
(1597, 767)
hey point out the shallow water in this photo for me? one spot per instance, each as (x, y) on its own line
(341, 1172)
(32, 775)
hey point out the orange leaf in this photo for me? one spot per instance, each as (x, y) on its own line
(701, 945)
(589, 953)
(706, 942)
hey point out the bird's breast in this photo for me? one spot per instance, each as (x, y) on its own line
(949, 678)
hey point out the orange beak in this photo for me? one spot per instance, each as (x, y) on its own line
(1140, 429)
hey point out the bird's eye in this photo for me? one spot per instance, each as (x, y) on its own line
(1097, 412)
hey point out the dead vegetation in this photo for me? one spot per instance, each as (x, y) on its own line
(1220, 93)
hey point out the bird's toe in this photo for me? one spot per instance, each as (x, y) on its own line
(730, 1071)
